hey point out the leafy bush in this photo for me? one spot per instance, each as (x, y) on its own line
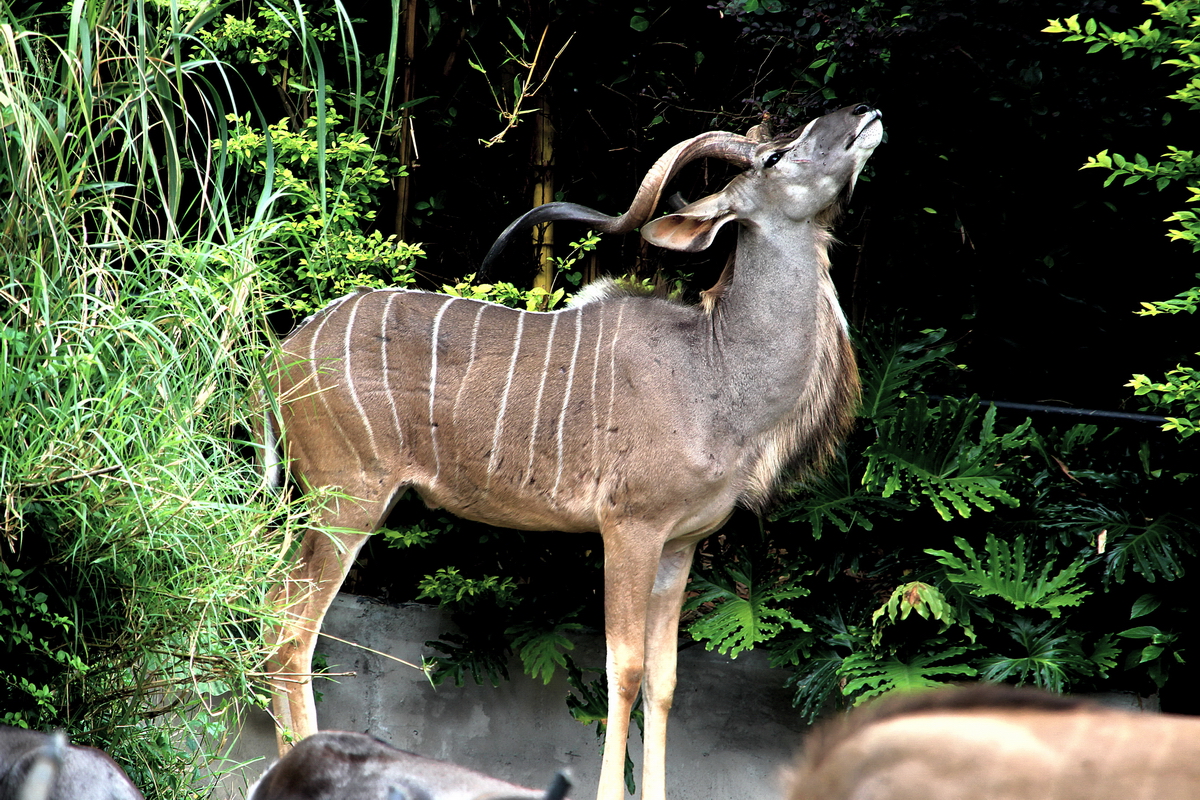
(325, 185)
(1171, 42)
(136, 544)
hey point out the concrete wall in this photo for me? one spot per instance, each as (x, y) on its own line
(732, 729)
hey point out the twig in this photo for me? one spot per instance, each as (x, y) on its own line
(372, 651)
(67, 478)
(513, 116)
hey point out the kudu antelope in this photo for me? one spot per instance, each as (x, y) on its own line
(337, 765)
(997, 743)
(643, 419)
(42, 766)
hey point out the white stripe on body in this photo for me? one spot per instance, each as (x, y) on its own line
(466, 377)
(316, 373)
(491, 467)
(537, 405)
(349, 373)
(272, 467)
(562, 414)
(596, 411)
(433, 363)
(612, 374)
(387, 384)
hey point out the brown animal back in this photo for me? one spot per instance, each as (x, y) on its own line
(997, 743)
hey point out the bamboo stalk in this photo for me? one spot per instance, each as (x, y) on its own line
(543, 191)
(403, 182)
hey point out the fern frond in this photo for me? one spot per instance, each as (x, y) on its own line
(930, 453)
(1153, 549)
(543, 651)
(1050, 658)
(838, 497)
(1006, 576)
(867, 675)
(740, 619)
(891, 369)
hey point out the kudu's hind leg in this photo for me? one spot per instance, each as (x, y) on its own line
(321, 565)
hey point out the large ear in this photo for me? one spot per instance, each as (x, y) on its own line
(691, 228)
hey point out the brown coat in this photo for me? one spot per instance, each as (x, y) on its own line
(998, 743)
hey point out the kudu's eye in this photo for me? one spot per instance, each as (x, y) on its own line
(773, 159)
(861, 109)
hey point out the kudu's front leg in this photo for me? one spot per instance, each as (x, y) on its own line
(643, 591)
(662, 649)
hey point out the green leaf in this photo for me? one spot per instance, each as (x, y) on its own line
(744, 613)
(926, 600)
(1150, 653)
(1140, 632)
(1005, 575)
(541, 651)
(1151, 549)
(1050, 657)
(891, 369)
(838, 497)
(1144, 605)
(868, 676)
(639, 23)
(1105, 654)
(929, 454)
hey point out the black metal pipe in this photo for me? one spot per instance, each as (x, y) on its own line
(1080, 412)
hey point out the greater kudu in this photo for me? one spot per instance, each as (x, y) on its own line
(998, 743)
(642, 419)
(339, 765)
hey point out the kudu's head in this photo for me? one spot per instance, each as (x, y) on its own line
(791, 178)
(794, 175)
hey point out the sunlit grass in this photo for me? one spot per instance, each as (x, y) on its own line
(137, 543)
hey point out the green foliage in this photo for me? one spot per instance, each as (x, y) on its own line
(449, 585)
(1154, 548)
(931, 455)
(576, 252)
(1170, 42)
(868, 675)
(926, 600)
(1180, 387)
(839, 497)
(325, 183)
(743, 612)
(543, 651)
(1160, 650)
(31, 632)
(416, 535)
(535, 299)
(137, 543)
(462, 657)
(893, 368)
(1049, 520)
(1004, 575)
(1049, 656)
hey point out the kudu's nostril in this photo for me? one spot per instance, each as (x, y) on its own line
(860, 109)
